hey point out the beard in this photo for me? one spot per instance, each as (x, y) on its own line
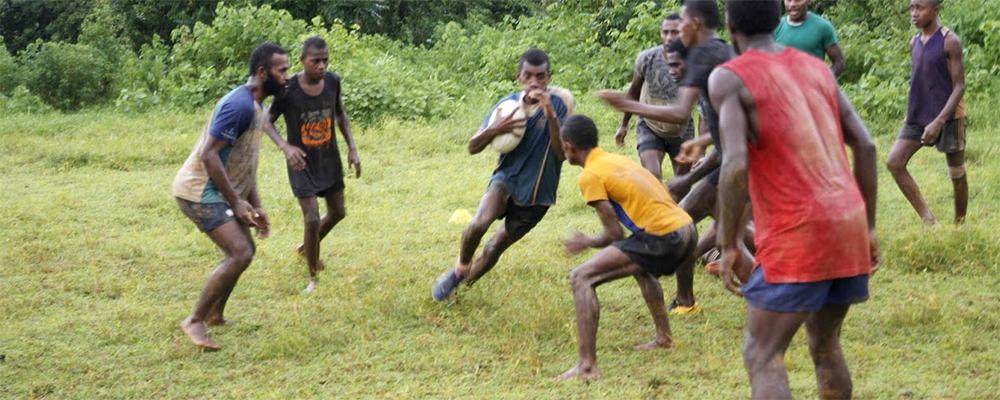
(271, 86)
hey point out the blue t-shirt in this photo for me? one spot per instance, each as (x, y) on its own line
(531, 171)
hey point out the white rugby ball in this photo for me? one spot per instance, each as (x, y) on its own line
(506, 142)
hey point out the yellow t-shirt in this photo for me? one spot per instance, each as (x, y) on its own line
(640, 200)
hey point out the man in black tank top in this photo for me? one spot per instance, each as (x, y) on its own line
(935, 113)
(311, 106)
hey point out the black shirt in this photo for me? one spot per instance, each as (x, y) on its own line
(701, 61)
(311, 122)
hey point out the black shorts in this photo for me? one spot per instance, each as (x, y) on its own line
(661, 255)
(519, 220)
(649, 140)
(206, 216)
(951, 139)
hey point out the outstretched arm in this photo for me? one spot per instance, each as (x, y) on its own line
(725, 91)
(676, 113)
(612, 230)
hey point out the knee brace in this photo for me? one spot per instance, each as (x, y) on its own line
(957, 172)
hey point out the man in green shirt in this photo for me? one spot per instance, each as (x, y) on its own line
(809, 32)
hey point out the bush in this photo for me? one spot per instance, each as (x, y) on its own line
(66, 76)
(9, 71)
(20, 100)
(209, 60)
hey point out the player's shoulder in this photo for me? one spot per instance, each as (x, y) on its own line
(820, 20)
(331, 76)
(239, 99)
(649, 53)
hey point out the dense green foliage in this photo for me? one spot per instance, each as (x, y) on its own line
(462, 45)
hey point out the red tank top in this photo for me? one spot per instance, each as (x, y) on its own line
(809, 215)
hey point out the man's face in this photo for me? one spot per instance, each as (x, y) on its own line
(688, 27)
(533, 77)
(314, 62)
(670, 30)
(797, 9)
(922, 12)
(675, 65)
(277, 77)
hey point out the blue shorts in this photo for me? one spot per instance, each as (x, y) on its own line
(803, 297)
(206, 216)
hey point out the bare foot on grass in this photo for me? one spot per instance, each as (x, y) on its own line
(656, 344)
(198, 333)
(582, 372)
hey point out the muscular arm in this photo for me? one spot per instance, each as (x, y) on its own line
(213, 166)
(863, 149)
(726, 92)
(956, 68)
(676, 113)
(837, 57)
(553, 123)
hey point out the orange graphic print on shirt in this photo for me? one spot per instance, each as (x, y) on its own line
(316, 128)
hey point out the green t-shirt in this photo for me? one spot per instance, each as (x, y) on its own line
(813, 36)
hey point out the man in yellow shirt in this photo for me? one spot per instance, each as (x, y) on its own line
(663, 239)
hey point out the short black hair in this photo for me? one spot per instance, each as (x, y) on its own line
(535, 57)
(579, 130)
(677, 46)
(262, 54)
(672, 17)
(753, 17)
(314, 42)
(707, 10)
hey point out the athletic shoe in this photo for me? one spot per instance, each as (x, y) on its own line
(677, 309)
(446, 284)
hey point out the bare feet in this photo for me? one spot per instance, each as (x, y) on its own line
(959, 220)
(656, 344)
(311, 286)
(198, 333)
(582, 372)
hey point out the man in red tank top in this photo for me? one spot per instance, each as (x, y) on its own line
(784, 124)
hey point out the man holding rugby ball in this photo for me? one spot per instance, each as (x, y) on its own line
(523, 186)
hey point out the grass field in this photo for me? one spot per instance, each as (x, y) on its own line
(98, 267)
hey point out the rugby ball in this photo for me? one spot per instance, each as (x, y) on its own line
(506, 142)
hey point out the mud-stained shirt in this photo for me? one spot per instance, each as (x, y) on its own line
(238, 120)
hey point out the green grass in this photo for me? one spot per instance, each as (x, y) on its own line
(98, 266)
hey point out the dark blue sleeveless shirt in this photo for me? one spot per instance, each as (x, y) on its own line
(930, 82)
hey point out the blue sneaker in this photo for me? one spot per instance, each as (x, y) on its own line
(446, 284)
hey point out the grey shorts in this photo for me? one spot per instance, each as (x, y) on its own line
(951, 139)
(648, 140)
(206, 216)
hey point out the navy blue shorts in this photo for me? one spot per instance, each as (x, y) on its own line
(803, 297)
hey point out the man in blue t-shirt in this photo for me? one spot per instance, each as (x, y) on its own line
(524, 183)
(809, 32)
(217, 186)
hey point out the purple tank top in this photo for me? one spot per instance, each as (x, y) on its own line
(930, 82)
